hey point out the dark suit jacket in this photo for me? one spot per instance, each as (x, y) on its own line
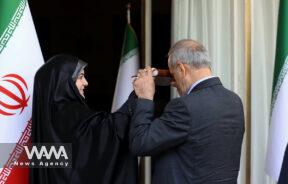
(197, 139)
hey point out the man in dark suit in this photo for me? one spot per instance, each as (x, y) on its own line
(198, 137)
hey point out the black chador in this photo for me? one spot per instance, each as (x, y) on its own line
(100, 153)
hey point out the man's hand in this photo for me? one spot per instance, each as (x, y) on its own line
(144, 85)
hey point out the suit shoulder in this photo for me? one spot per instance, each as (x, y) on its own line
(212, 94)
(234, 95)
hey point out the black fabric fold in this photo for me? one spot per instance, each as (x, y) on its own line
(283, 178)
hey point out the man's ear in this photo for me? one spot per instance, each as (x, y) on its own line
(182, 68)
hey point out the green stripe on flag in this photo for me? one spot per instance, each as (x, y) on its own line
(11, 12)
(129, 55)
(129, 44)
(282, 41)
(281, 59)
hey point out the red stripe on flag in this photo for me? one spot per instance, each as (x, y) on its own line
(10, 175)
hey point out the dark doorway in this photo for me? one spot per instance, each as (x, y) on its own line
(93, 31)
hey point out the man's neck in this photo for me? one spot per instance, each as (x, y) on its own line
(198, 74)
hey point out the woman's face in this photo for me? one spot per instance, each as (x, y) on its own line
(81, 82)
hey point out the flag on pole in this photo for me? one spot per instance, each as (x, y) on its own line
(128, 67)
(20, 57)
(278, 135)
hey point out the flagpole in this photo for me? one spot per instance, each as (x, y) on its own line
(128, 13)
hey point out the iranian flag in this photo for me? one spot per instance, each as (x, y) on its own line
(277, 153)
(129, 65)
(20, 57)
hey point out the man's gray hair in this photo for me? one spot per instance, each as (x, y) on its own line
(189, 52)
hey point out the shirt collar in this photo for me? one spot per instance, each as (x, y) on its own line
(197, 82)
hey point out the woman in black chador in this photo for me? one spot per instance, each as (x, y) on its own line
(60, 115)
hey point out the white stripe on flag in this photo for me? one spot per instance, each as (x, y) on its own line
(278, 135)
